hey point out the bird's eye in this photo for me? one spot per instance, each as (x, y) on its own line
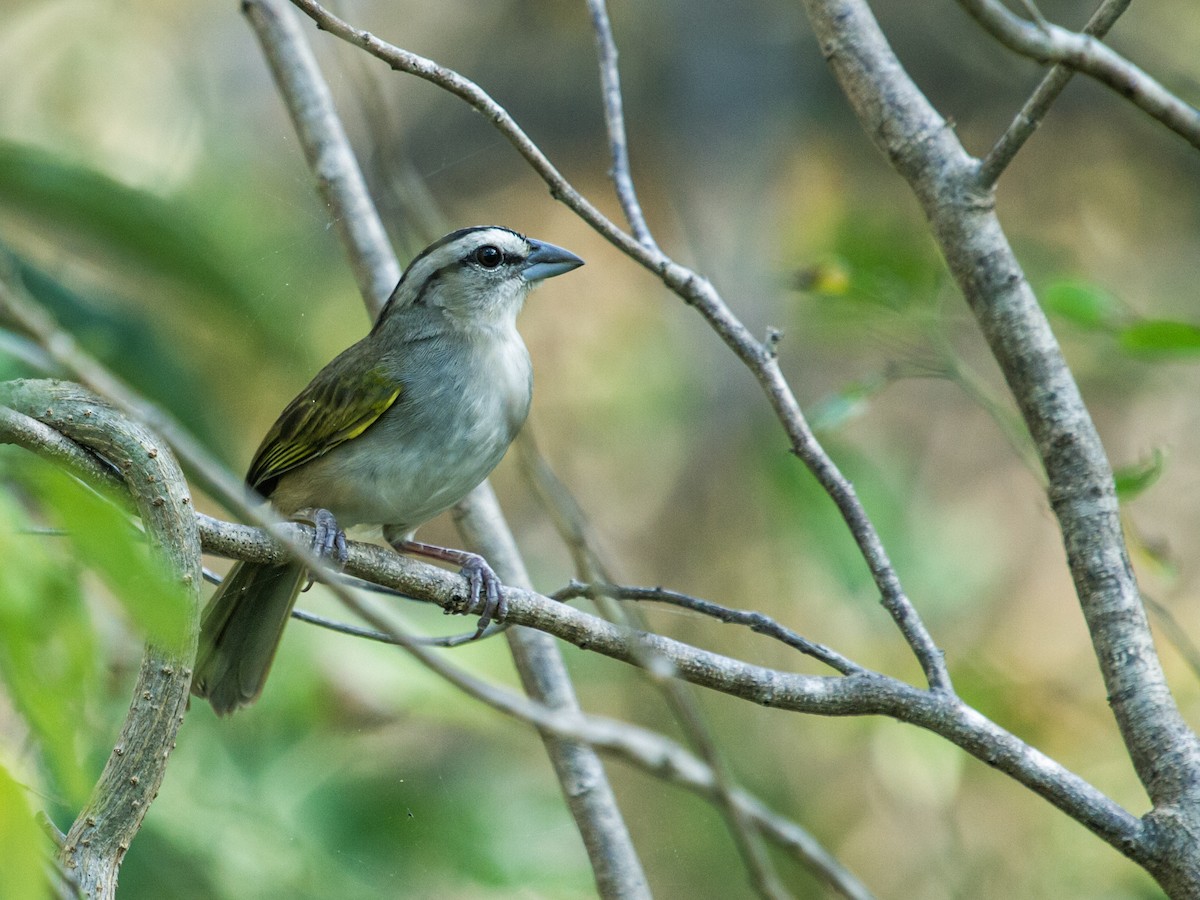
(488, 256)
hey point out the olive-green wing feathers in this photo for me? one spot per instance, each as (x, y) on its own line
(326, 413)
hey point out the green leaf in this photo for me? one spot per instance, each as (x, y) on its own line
(849, 403)
(1082, 304)
(1161, 337)
(148, 231)
(48, 658)
(883, 262)
(1131, 480)
(24, 856)
(105, 540)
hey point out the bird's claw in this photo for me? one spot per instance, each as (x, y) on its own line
(328, 539)
(485, 593)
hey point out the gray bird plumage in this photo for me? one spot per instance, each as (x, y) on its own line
(396, 429)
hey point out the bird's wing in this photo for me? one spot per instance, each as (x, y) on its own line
(325, 414)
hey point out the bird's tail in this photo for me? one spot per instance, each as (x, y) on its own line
(240, 632)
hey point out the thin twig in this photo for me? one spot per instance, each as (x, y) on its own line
(1030, 117)
(449, 641)
(1084, 53)
(384, 637)
(755, 621)
(614, 122)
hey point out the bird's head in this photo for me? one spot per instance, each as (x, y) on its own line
(479, 275)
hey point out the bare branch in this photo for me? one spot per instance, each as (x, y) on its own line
(327, 150)
(1049, 43)
(1030, 117)
(860, 694)
(614, 122)
(755, 621)
(892, 110)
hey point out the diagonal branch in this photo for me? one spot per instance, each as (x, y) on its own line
(327, 150)
(1030, 117)
(614, 122)
(1084, 53)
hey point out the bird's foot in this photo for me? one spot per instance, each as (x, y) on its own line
(329, 541)
(485, 591)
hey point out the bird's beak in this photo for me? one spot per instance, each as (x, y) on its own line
(546, 261)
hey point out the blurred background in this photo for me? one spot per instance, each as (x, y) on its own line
(153, 195)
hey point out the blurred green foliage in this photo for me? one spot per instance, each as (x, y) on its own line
(48, 644)
(23, 873)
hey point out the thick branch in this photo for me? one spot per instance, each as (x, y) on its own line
(865, 694)
(1165, 753)
(96, 843)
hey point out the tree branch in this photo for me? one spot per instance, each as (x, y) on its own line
(862, 694)
(327, 150)
(1030, 117)
(1049, 43)
(755, 621)
(614, 122)
(95, 844)
(1164, 751)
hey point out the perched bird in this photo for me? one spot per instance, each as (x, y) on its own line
(398, 428)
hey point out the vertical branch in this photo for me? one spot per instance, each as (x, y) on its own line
(614, 122)
(614, 860)
(1165, 752)
(96, 843)
(544, 676)
(327, 149)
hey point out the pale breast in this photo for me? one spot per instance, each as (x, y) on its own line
(462, 403)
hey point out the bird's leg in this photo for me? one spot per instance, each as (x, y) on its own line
(328, 538)
(484, 589)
